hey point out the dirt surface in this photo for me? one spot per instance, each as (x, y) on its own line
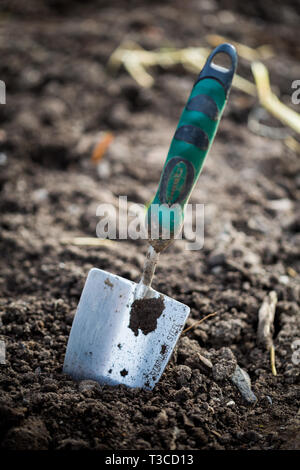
(59, 100)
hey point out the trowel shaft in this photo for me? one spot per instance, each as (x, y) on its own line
(151, 261)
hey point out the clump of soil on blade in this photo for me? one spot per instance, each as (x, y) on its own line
(144, 314)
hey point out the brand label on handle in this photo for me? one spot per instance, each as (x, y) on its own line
(177, 180)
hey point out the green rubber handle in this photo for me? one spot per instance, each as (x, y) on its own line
(190, 145)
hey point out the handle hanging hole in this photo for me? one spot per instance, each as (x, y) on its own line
(221, 65)
(221, 59)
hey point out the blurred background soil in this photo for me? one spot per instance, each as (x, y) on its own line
(60, 98)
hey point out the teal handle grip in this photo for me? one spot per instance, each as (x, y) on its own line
(190, 145)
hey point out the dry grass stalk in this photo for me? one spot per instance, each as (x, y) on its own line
(86, 241)
(266, 315)
(136, 60)
(197, 323)
(270, 102)
(248, 53)
(293, 144)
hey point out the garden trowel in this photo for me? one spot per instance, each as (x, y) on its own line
(123, 332)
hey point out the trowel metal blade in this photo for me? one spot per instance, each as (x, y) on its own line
(104, 348)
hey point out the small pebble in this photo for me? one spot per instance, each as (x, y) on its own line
(104, 170)
(2, 352)
(205, 363)
(241, 380)
(269, 399)
(230, 403)
(280, 205)
(284, 280)
(3, 158)
(40, 194)
(217, 269)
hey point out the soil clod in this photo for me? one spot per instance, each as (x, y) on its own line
(144, 314)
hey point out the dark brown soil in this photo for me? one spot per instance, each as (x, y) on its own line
(59, 98)
(144, 314)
